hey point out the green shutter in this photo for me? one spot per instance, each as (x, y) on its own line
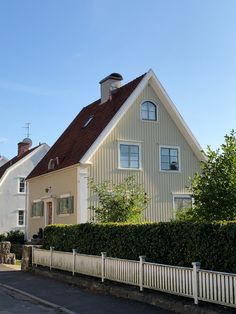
(70, 205)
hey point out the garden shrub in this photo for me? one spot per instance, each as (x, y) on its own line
(174, 243)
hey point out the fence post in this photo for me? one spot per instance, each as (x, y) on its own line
(196, 267)
(73, 265)
(104, 255)
(141, 261)
(32, 258)
(51, 254)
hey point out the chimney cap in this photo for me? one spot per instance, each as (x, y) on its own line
(114, 76)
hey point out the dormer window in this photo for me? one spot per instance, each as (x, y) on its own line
(53, 163)
(88, 121)
(148, 111)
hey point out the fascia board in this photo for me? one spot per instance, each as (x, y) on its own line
(177, 118)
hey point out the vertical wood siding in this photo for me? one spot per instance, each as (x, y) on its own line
(151, 135)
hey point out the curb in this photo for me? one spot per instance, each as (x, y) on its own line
(163, 300)
(38, 300)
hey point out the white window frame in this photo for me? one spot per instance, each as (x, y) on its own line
(131, 144)
(175, 195)
(179, 158)
(19, 192)
(157, 111)
(17, 223)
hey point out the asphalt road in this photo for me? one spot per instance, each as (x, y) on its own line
(11, 302)
(73, 298)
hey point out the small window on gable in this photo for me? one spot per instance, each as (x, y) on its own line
(88, 121)
(148, 111)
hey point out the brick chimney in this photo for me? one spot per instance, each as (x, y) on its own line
(24, 146)
(109, 85)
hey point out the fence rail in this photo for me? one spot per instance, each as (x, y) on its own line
(196, 283)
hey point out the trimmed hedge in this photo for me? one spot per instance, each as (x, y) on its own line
(173, 243)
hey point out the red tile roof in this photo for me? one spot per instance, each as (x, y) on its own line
(77, 139)
(14, 161)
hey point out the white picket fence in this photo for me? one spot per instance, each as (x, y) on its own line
(196, 283)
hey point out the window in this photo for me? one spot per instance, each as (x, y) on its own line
(169, 158)
(21, 186)
(65, 205)
(53, 163)
(130, 156)
(21, 218)
(148, 111)
(182, 201)
(37, 209)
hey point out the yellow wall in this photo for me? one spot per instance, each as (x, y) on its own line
(160, 186)
(61, 182)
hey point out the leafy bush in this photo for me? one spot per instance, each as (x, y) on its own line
(2, 237)
(214, 189)
(123, 202)
(15, 236)
(174, 243)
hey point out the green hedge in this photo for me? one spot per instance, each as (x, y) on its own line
(174, 243)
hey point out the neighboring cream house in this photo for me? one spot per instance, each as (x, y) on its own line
(133, 129)
(13, 186)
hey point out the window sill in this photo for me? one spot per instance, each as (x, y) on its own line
(149, 121)
(131, 169)
(37, 217)
(21, 193)
(170, 171)
(20, 226)
(63, 215)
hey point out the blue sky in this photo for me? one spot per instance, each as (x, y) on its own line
(54, 53)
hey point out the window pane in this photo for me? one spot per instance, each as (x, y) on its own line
(173, 152)
(124, 164)
(165, 159)
(124, 148)
(165, 166)
(152, 116)
(182, 202)
(165, 151)
(144, 115)
(134, 164)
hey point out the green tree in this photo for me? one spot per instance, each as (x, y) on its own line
(123, 202)
(214, 189)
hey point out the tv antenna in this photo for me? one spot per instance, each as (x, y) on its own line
(27, 127)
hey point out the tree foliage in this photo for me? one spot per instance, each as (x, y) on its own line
(123, 202)
(214, 189)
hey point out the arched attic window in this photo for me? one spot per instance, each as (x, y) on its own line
(148, 111)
